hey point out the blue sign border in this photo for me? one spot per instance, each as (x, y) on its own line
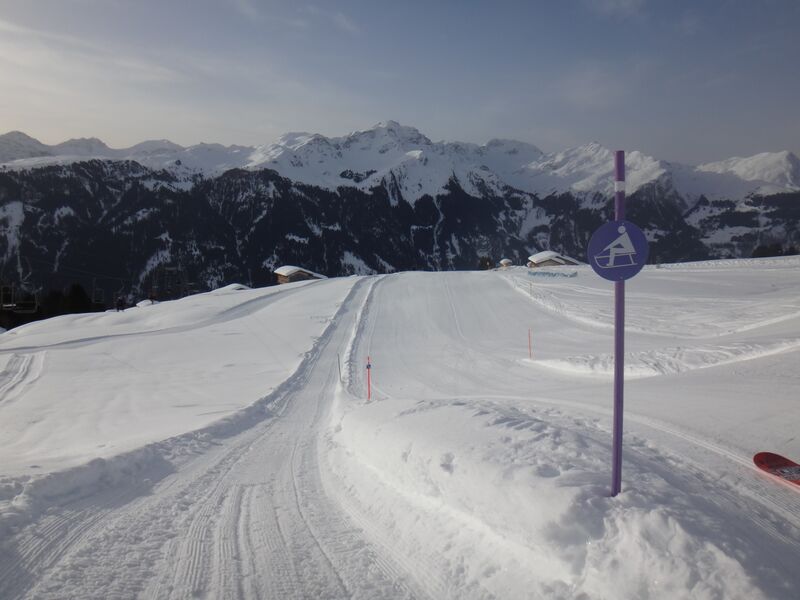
(618, 250)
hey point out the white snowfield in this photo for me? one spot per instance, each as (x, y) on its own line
(221, 446)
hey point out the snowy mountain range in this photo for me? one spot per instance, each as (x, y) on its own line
(138, 220)
(390, 151)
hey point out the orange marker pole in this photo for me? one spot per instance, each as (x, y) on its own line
(369, 380)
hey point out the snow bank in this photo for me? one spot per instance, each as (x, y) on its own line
(526, 512)
(232, 287)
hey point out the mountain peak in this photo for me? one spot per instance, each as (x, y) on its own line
(16, 144)
(778, 168)
(86, 141)
(153, 146)
(18, 136)
(386, 124)
(594, 147)
(527, 152)
(82, 147)
(395, 130)
(392, 126)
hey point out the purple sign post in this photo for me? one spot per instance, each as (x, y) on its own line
(617, 251)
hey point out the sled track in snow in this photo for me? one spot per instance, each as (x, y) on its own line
(427, 581)
(81, 528)
(247, 516)
(48, 540)
(20, 370)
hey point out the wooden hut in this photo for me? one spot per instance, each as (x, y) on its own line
(549, 258)
(290, 273)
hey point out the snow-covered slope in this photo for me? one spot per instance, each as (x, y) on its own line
(223, 445)
(780, 170)
(588, 168)
(156, 335)
(404, 159)
(16, 145)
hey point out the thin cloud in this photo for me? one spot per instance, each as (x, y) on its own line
(246, 8)
(345, 23)
(689, 24)
(621, 8)
(338, 19)
(590, 88)
(45, 50)
(22, 31)
(252, 11)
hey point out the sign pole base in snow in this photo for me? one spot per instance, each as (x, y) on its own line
(617, 251)
(369, 380)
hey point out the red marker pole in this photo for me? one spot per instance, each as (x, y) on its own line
(530, 347)
(369, 382)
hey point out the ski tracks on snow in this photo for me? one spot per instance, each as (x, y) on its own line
(20, 370)
(233, 514)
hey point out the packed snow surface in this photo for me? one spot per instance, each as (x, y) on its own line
(222, 446)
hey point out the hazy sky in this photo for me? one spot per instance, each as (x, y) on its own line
(691, 81)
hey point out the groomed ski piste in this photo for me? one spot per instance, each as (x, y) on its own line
(222, 445)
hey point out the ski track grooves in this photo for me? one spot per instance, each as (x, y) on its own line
(247, 516)
(20, 370)
(426, 582)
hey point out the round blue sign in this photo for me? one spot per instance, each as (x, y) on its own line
(618, 250)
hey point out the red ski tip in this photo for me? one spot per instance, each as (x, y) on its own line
(779, 466)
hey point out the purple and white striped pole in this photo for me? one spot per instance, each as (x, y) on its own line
(617, 251)
(619, 332)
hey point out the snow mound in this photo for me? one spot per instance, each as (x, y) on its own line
(233, 287)
(449, 504)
